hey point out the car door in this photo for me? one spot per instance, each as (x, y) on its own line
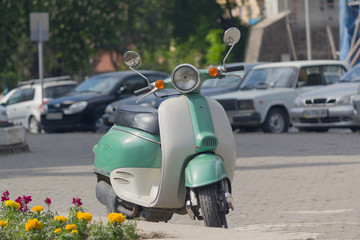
(19, 104)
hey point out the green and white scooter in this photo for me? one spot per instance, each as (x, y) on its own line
(177, 159)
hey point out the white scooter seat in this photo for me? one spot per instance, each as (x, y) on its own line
(138, 117)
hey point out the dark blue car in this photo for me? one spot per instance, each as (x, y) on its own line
(84, 107)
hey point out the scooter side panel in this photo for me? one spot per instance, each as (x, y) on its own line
(204, 169)
(223, 131)
(177, 144)
(136, 185)
(125, 147)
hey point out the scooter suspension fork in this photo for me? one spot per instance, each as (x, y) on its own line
(192, 205)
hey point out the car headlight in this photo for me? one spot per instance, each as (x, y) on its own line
(44, 108)
(76, 107)
(109, 109)
(346, 100)
(245, 104)
(299, 102)
(185, 78)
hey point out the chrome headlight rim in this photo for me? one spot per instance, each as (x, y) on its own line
(196, 72)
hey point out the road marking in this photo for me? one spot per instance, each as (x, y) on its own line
(321, 211)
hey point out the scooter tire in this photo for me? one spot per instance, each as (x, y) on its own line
(210, 204)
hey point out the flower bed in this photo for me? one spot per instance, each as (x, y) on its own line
(18, 222)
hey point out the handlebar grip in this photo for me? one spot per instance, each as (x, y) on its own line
(141, 91)
(235, 68)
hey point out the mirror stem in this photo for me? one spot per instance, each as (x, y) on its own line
(224, 67)
(148, 82)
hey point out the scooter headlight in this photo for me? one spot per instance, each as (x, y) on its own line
(185, 78)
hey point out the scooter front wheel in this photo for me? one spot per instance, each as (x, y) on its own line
(212, 205)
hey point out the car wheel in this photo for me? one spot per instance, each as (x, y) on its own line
(354, 129)
(276, 121)
(33, 125)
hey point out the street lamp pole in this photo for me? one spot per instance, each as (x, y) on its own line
(307, 26)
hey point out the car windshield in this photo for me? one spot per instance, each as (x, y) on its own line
(99, 84)
(58, 91)
(269, 77)
(352, 76)
(227, 82)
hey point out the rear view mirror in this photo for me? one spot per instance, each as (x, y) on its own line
(132, 59)
(231, 36)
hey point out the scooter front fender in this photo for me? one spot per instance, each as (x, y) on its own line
(204, 169)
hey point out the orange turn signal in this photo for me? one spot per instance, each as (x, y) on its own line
(213, 72)
(159, 84)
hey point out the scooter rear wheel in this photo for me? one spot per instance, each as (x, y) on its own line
(211, 205)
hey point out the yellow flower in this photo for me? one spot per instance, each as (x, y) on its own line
(58, 230)
(60, 218)
(37, 208)
(74, 231)
(70, 227)
(86, 216)
(12, 204)
(116, 217)
(33, 224)
(3, 223)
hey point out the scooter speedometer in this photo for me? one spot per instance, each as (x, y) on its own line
(185, 78)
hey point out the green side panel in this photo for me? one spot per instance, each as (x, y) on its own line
(125, 147)
(203, 126)
(204, 169)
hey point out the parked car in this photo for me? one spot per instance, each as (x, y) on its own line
(82, 110)
(209, 88)
(329, 107)
(24, 103)
(268, 92)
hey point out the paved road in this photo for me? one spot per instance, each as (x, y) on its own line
(286, 186)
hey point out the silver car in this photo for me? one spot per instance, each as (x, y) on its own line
(268, 91)
(330, 106)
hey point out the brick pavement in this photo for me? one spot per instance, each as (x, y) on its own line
(286, 186)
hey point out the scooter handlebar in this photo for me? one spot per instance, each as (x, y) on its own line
(235, 68)
(141, 91)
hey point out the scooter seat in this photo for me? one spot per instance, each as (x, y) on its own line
(138, 117)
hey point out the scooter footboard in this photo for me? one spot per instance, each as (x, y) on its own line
(204, 169)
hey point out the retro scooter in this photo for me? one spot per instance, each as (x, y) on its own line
(179, 158)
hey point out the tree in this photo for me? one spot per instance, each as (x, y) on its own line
(164, 32)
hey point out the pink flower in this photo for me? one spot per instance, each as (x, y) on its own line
(27, 199)
(5, 196)
(77, 202)
(23, 201)
(47, 201)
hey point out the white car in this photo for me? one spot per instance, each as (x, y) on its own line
(3, 116)
(334, 106)
(24, 103)
(268, 91)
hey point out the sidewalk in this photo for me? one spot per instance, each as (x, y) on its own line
(169, 231)
(299, 187)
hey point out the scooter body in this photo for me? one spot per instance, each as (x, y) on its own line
(195, 148)
(177, 159)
